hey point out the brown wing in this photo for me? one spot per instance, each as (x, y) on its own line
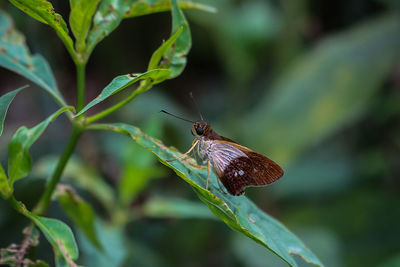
(264, 171)
(233, 167)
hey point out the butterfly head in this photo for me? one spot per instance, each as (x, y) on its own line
(200, 128)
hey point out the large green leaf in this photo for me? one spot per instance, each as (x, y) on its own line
(5, 101)
(80, 19)
(79, 211)
(324, 90)
(15, 56)
(56, 232)
(145, 7)
(238, 212)
(60, 237)
(43, 11)
(123, 81)
(168, 207)
(20, 161)
(175, 57)
(107, 18)
(113, 241)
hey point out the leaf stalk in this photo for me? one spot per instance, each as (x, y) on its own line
(145, 85)
(45, 199)
(17, 205)
(80, 77)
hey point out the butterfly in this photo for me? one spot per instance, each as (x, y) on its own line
(236, 166)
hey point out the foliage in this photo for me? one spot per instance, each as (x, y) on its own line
(309, 97)
(239, 213)
(90, 22)
(5, 102)
(15, 56)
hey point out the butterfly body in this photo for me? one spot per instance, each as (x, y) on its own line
(235, 165)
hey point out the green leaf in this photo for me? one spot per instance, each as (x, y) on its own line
(307, 175)
(114, 244)
(123, 81)
(20, 161)
(5, 188)
(139, 166)
(167, 207)
(325, 90)
(250, 253)
(111, 12)
(43, 11)
(238, 212)
(162, 50)
(82, 176)
(80, 20)
(176, 55)
(60, 237)
(107, 18)
(134, 179)
(5, 101)
(145, 7)
(15, 56)
(79, 211)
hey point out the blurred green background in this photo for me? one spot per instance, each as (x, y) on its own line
(313, 85)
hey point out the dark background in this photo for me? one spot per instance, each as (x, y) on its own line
(314, 85)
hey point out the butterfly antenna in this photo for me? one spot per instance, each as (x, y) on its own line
(195, 104)
(166, 112)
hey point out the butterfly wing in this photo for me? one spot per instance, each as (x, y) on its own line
(233, 167)
(238, 166)
(266, 171)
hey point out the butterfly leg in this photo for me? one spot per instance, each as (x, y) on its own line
(183, 155)
(208, 179)
(221, 187)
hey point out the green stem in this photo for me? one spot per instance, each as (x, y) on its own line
(143, 87)
(80, 77)
(44, 201)
(105, 127)
(18, 206)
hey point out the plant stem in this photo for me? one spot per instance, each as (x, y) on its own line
(142, 87)
(18, 206)
(44, 201)
(80, 81)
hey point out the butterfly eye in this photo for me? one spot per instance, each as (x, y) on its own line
(199, 130)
